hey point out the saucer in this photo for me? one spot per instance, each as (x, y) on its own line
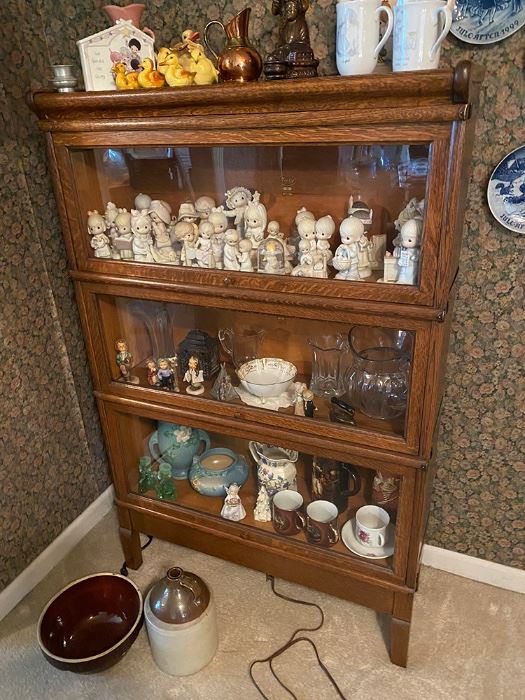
(273, 403)
(350, 541)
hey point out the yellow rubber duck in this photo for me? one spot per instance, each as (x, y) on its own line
(175, 75)
(205, 71)
(123, 80)
(149, 77)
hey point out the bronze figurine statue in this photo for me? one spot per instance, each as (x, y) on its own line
(294, 57)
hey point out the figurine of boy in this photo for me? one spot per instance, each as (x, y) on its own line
(166, 375)
(346, 258)
(153, 379)
(409, 252)
(123, 359)
(194, 376)
(233, 508)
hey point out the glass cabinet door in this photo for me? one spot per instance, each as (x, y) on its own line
(355, 216)
(347, 380)
(351, 511)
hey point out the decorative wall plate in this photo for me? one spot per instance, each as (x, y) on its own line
(506, 191)
(486, 21)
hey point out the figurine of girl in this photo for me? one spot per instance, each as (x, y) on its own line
(255, 220)
(204, 250)
(346, 258)
(97, 230)
(233, 508)
(142, 201)
(307, 242)
(409, 251)
(204, 206)
(194, 376)
(218, 218)
(187, 213)
(153, 379)
(231, 250)
(188, 253)
(110, 215)
(324, 230)
(237, 199)
(123, 240)
(142, 241)
(160, 215)
(245, 259)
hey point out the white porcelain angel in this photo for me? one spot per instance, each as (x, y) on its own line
(162, 250)
(233, 508)
(255, 220)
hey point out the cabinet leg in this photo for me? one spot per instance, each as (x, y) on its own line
(399, 635)
(130, 542)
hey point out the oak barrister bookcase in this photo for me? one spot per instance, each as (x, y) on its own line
(384, 139)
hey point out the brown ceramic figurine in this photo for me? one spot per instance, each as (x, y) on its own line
(294, 58)
(238, 61)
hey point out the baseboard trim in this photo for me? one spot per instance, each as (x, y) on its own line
(473, 568)
(57, 550)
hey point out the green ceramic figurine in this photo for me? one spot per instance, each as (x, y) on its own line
(165, 487)
(147, 479)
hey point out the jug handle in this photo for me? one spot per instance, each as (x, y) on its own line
(205, 438)
(254, 451)
(206, 29)
(351, 471)
(225, 334)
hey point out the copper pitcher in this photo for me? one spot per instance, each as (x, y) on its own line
(238, 61)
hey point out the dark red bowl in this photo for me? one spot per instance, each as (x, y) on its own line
(91, 623)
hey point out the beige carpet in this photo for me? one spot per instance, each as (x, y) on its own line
(467, 638)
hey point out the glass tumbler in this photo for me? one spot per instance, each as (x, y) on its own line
(379, 375)
(328, 357)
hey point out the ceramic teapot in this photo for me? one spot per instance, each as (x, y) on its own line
(275, 467)
(238, 60)
(177, 444)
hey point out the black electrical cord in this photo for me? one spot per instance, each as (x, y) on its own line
(124, 568)
(290, 643)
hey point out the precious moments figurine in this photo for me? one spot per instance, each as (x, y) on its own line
(160, 215)
(204, 249)
(97, 230)
(123, 240)
(255, 219)
(237, 199)
(233, 508)
(203, 206)
(409, 251)
(194, 376)
(346, 258)
(245, 258)
(142, 240)
(231, 250)
(218, 218)
(324, 230)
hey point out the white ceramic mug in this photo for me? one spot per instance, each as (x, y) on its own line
(371, 523)
(420, 27)
(357, 40)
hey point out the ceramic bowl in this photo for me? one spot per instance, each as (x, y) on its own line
(266, 376)
(91, 623)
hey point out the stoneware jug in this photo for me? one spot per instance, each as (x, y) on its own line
(177, 444)
(181, 623)
(215, 469)
(238, 60)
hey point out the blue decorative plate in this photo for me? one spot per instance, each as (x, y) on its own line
(506, 191)
(487, 21)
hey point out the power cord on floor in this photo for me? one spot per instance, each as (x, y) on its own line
(290, 643)
(124, 568)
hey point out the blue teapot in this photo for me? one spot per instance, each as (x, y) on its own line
(214, 469)
(177, 445)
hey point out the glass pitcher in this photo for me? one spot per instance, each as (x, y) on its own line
(379, 375)
(328, 357)
(241, 346)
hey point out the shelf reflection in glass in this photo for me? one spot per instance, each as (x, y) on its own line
(357, 215)
(368, 375)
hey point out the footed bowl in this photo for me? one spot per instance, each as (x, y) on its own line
(266, 376)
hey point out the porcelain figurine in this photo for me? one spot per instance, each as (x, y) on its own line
(142, 201)
(360, 210)
(245, 258)
(194, 376)
(222, 388)
(162, 250)
(364, 257)
(142, 240)
(97, 230)
(300, 388)
(147, 479)
(188, 213)
(203, 206)
(409, 252)
(308, 401)
(204, 72)
(346, 258)
(237, 199)
(152, 368)
(215, 469)
(294, 57)
(306, 267)
(166, 375)
(218, 218)
(110, 214)
(274, 231)
(165, 490)
(149, 77)
(173, 71)
(413, 210)
(233, 508)
(255, 220)
(124, 361)
(262, 511)
(306, 231)
(270, 257)
(231, 250)
(204, 347)
(123, 240)
(324, 230)
(204, 248)
(188, 252)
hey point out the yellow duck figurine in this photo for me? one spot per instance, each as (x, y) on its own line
(161, 57)
(149, 77)
(175, 75)
(123, 80)
(205, 71)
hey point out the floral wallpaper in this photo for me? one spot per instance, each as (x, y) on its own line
(55, 464)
